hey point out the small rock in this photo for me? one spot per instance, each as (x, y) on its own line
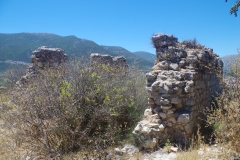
(163, 115)
(150, 143)
(174, 149)
(183, 118)
(117, 151)
(130, 149)
(109, 156)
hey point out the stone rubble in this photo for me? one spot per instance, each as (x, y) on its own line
(182, 82)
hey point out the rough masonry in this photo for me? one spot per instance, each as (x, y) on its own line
(117, 61)
(43, 58)
(183, 81)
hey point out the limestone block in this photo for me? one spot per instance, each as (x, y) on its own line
(164, 101)
(157, 85)
(190, 83)
(169, 124)
(162, 77)
(150, 143)
(163, 115)
(177, 90)
(189, 75)
(179, 83)
(166, 107)
(156, 110)
(183, 118)
(188, 128)
(188, 89)
(190, 102)
(150, 101)
(162, 65)
(170, 112)
(130, 149)
(182, 63)
(174, 66)
(147, 112)
(176, 100)
(151, 76)
(149, 91)
(172, 119)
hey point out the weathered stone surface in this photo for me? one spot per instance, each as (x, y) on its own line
(182, 82)
(118, 61)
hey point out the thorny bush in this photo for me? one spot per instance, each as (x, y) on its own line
(77, 107)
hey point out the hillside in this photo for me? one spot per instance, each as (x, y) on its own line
(145, 55)
(19, 47)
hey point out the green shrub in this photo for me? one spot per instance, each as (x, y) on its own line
(78, 107)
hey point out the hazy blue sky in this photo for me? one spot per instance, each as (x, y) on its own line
(127, 23)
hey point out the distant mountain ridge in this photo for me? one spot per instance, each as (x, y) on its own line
(19, 47)
(145, 55)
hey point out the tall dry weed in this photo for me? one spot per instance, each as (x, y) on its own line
(224, 117)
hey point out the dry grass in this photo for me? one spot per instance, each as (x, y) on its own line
(189, 155)
(8, 149)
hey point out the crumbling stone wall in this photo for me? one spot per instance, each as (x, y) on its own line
(182, 82)
(116, 62)
(43, 58)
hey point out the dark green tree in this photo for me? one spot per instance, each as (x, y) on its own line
(234, 8)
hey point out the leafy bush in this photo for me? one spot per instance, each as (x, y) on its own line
(77, 107)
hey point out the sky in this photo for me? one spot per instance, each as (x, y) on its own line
(127, 23)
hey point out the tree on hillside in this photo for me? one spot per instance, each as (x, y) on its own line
(234, 8)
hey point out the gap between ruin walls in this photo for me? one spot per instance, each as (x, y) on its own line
(183, 81)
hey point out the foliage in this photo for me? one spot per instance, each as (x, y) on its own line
(77, 107)
(234, 8)
(168, 143)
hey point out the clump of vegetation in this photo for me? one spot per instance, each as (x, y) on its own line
(77, 108)
(192, 44)
(224, 118)
(12, 75)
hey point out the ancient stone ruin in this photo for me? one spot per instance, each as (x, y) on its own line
(116, 62)
(43, 58)
(183, 81)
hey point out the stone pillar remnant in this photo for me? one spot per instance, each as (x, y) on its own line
(43, 58)
(183, 81)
